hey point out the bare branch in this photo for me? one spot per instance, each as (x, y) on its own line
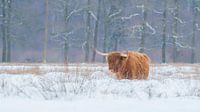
(93, 15)
(198, 9)
(183, 46)
(73, 12)
(157, 12)
(66, 34)
(115, 14)
(151, 28)
(179, 20)
(141, 6)
(197, 26)
(129, 17)
(83, 45)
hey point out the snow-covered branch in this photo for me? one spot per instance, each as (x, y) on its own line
(83, 45)
(179, 20)
(177, 36)
(73, 12)
(197, 26)
(147, 49)
(141, 6)
(129, 17)
(151, 28)
(183, 46)
(137, 27)
(157, 12)
(66, 34)
(198, 9)
(93, 15)
(63, 35)
(115, 14)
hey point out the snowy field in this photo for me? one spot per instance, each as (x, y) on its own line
(92, 88)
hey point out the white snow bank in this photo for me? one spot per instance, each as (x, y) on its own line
(101, 105)
(97, 85)
(93, 89)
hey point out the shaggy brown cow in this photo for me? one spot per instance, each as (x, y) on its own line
(128, 65)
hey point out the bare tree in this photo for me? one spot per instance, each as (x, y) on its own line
(96, 30)
(175, 29)
(164, 32)
(88, 32)
(144, 19)
(66, 40)
(9, 32)
(194, 29)
(6, 36)
(118, 25)
(76, 25)
(4, 39)
(65, 10)
(44, 58)
(109, 17)
(105, 29)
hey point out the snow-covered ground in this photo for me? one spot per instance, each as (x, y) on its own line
(169, 88)
(101, 105)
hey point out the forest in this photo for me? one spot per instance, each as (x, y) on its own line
(53, 31)
(51, 55)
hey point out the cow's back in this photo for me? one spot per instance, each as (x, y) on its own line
(138, 65)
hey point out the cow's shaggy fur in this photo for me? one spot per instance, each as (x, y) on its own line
(129, 65)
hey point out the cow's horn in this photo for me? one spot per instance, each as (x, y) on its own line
(101, 53)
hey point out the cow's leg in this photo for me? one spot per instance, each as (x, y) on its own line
(119, 76)
(134, 76)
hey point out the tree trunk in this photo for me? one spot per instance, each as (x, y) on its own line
(164, 33)
(4, 48)
(88, 33)
(6, 13)
(116, 44)
(194, 33)
(66, 44)
(44, 58)
(175, 31)
(66, 51)
(8, 31)
(96, 31)
(143, 35)
(105, 39)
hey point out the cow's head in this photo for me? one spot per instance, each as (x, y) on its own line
(115, 60)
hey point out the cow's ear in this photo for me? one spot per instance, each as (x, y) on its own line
(123, 56)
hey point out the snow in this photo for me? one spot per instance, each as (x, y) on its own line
(60, 85)
(98, 105)
(85, 88)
